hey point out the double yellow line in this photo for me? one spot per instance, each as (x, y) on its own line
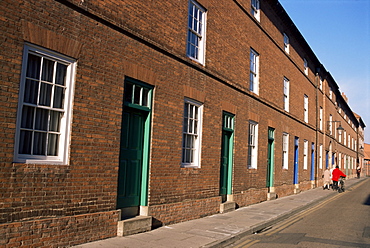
(284, 224)
(300, 215)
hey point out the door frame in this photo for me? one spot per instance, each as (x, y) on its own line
(227, 130)
(270, 158)
(132, 105)
(296, 156)
(312, 175)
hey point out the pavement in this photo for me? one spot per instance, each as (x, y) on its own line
(220, 230)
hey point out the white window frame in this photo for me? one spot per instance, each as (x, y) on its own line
(305, 107)
(286, 43)
(195, 47)
(286, 94)
(305, 65)
(255, 9)
(345, 138)
(320, 156)
(45, 88)
(320, 117)
(330, 125)
(349, 141)
(252, 145)
(330, 93)
(305, 154)
(254, 72)
(320, 83)
(192, 133)
(285, 151)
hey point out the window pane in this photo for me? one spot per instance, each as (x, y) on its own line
(58, 97)
(39, 143)
(45, 94)
(27, 117)
(191, 156)
(41, 122)
(31, 91)
(53, 145)
(251, 86)
(191, 126)
(191, 111)
(137, 94)
(186, 125)
(33, 66)
(183, 156)
(186, 110)
(47, 70)
(195, 127)
(128, 92)
(25, 142)
(145, 97)
(187, 156)
(193, 140)
(188, 141)
(55, 118)
(60, 77)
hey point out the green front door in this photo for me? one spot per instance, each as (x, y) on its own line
(131, 158)
(270, 159)
(225, 150)
(226, 155)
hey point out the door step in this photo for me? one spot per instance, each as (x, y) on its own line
(134, 225)
(227, 206)
(271, 196)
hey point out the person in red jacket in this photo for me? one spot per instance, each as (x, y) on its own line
(336, 174)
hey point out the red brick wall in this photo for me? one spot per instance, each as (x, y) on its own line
(59, 231)
(112, 40)
(183, 211)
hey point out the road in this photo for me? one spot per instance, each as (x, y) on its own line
(340, 221)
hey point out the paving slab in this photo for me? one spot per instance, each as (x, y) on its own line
(222, 229)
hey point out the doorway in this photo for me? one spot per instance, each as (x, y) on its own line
(226, 156)
(132, 189)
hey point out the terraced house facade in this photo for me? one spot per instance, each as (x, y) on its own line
(157, 112)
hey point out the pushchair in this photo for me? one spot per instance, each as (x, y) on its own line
(341, 185)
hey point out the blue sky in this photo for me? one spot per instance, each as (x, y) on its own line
(338, 31)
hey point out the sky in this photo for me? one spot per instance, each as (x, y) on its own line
(338, 32)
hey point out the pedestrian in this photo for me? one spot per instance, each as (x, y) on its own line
(358, 170)
(326, 178)
(331, 175)
(335, 177)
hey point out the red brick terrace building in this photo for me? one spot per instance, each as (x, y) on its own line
(157, 112)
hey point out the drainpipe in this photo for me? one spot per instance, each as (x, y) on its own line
(315, 182)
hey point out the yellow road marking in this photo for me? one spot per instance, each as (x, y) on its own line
(247, 243)
(299, 216)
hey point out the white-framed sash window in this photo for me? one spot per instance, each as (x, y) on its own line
(286, 94)
(252, 145)
(191, 138)
(196, 32)
(255, 9)
(44, 107)
(254, 68)
(285, 151)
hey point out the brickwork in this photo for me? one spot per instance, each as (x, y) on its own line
(59, 231)
(113, 40)
(186, 210)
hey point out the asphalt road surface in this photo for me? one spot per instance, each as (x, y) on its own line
(340, 221)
